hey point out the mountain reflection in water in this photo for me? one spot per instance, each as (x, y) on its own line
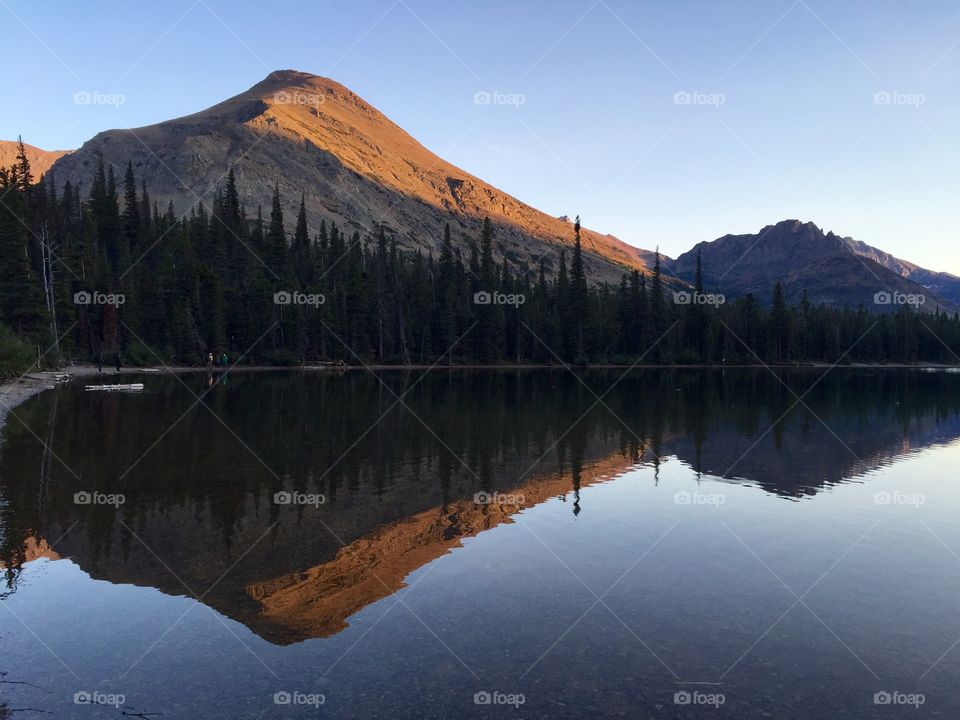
(401, 491)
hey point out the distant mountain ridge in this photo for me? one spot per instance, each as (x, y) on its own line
(832, 270)
(941, 284)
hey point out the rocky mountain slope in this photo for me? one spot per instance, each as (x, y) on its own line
(942, 284)
(833, 270)
(353, 164)
(40, 160)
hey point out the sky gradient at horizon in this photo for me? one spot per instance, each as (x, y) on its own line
(663, 124)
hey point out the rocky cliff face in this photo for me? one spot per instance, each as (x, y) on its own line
(354, 166)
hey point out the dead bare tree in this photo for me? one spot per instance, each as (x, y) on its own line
(46, 252)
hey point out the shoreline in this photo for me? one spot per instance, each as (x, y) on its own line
(17, 391)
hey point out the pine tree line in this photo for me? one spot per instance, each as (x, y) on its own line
(111, 275)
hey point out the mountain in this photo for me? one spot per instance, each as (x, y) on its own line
(833, 270)
(359, 169)
(354, 165)
(942, 284)
(40, 160)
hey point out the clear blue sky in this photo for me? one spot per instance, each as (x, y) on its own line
(799, 133)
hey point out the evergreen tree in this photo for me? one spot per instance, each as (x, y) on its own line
(578, 292)
(779, 324)
(489, 330)
(23, 175)
(21, 305)
(446, 305)
(658, 319)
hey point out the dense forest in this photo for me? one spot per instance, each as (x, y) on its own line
(110, 275)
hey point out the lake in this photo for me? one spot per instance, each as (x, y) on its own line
(480, 543)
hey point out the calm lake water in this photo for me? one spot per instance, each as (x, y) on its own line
(518, 544)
